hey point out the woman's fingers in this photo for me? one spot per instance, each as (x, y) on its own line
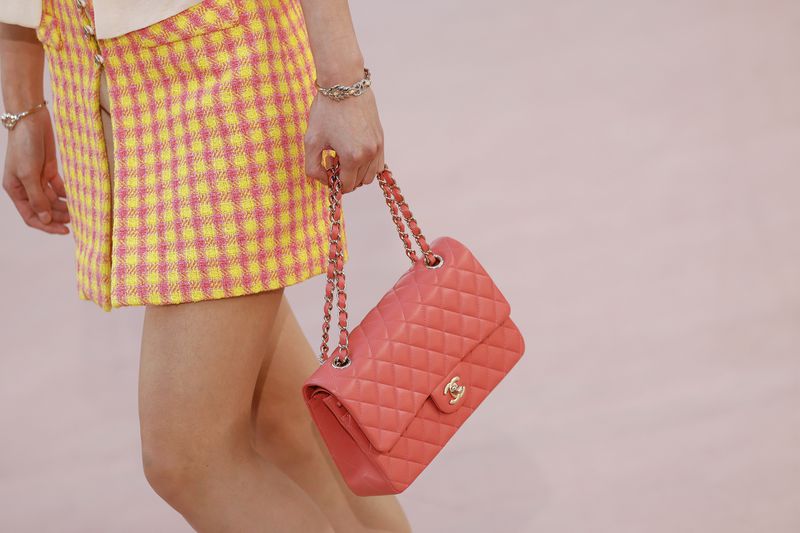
(363, 172)
(360, 164)
(19, 197)
(374, 169)
(376, 165)
(58, 185)
(60, 210)
(313, 159)
(56, 203)
(348, 171)
(37, 199)
(58, 207)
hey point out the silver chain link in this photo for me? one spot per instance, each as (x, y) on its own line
(333, 287)
(333, 259)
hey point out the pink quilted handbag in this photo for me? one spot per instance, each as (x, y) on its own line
(397, 387)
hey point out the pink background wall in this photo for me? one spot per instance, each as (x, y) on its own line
(626, 170)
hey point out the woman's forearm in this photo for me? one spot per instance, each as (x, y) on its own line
(337, 56)
(21, 67)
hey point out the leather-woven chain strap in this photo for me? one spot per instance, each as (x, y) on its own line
(335, 274)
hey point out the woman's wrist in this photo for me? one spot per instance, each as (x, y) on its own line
(340, 75)
(338, 61)
(21, 94)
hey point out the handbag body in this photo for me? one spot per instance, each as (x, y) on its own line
(407, 377)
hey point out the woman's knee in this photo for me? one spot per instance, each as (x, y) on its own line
(180, 466)
(174, 467)
(164, 474)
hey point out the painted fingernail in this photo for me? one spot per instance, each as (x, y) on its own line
(44, 216)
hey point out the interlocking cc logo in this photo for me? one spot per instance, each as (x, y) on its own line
(454, 389)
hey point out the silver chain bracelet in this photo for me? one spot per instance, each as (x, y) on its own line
(10, 120)
(340, 92)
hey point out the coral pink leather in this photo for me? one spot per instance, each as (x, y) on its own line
(387, 415)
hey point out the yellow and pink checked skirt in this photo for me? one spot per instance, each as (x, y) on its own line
(207, 195)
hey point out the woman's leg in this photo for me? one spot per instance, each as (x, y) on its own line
(199, 363)
(199, 366)
(283, 436)
(286, 435)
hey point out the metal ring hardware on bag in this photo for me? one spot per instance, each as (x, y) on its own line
(335, 273)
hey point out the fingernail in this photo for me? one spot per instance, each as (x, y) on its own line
(44, 216)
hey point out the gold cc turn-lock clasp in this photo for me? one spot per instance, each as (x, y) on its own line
(454, 389)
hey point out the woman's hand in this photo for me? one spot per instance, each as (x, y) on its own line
(353, 129)
(31, 176)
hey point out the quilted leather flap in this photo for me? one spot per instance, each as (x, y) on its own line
(412, 339)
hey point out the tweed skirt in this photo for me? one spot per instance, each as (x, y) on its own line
(195, 188)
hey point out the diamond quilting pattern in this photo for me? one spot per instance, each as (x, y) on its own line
(392, 375)
(433, 324)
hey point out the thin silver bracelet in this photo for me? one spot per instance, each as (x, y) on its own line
(340, 92)
(10, 120)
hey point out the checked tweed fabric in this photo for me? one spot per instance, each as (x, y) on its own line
(209, 197)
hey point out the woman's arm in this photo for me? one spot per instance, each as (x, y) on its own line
(351, 126)
(30, 176)
(21, 67)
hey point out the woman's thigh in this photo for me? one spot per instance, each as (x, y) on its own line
(198, 369)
